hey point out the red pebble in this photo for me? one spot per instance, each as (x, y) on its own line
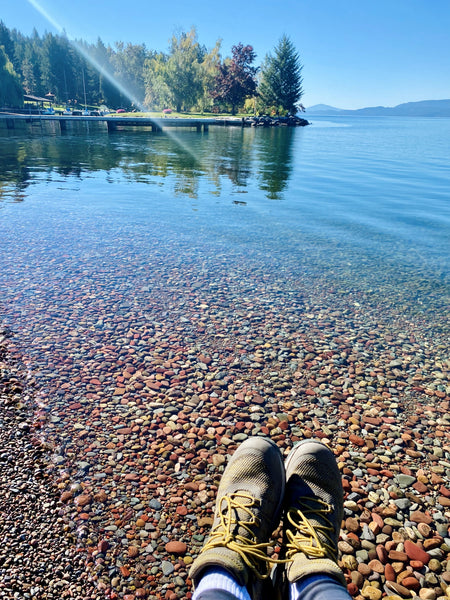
(389, 573)
(416, 564)
(103, 546)
(176, 547)
(411, 583)
(382, 554)
(352, 589)
(419, 517)
(420, 487)
(415, 552)
(444, 491)
(356, 440)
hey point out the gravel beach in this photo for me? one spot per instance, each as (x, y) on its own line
(119, 421)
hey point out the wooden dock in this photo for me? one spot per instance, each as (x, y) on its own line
(110, 123)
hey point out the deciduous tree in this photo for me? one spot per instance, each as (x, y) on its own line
(157, 93)
(182, 74)
(236, 79)
(208, 72)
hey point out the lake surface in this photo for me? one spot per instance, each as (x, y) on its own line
(143, 274)
(361, 201)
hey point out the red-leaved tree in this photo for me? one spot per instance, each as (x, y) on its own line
(236, 79)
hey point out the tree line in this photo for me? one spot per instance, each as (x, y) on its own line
(188, 77)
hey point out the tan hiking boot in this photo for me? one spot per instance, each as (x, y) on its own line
(247, 511)
(313, 512)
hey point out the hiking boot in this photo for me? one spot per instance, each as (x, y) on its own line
(247, 511)
(313, 512)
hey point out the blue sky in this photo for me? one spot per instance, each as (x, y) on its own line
(355, 53)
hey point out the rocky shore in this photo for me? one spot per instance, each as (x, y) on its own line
(38, 557)
(267, 121)
(116, 429)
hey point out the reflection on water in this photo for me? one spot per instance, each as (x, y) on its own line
(140, 156)
(358, 198)
(275, 157)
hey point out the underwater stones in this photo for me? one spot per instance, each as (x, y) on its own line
(182, 387)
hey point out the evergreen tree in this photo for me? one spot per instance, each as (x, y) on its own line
(60, 75)
(128, 63)
(6, 42)
(106, 90)
(11, 93)
(281, 78)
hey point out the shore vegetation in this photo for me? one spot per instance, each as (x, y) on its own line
(188, 77)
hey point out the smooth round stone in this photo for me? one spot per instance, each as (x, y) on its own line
(382, 538)
(364, 569)
(376, 566)
(345, 547)
(427, 594)
(411, 583)
(393, 522)
(424, 529)
(218, 460)
(398, 589)
(352, 524)
(352, 589)
(357, 578)
(414, 552)
(435, 565)
(176, 547)
(367, 545)
(371, 593)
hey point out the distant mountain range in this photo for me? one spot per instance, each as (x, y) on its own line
(426, 108)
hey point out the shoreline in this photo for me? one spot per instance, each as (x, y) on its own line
(38, 553)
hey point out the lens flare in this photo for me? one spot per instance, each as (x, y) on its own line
(105, 73)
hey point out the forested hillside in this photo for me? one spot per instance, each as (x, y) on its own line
(188, 76)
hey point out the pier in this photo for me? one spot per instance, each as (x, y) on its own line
(60, 123)
(53, 123)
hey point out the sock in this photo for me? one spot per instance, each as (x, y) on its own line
(218, 584)
(318, 587)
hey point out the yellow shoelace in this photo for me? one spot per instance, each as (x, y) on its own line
(304, 536)
(233, 507)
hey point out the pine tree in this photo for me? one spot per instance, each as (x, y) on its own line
(281, 78)
(11, 92)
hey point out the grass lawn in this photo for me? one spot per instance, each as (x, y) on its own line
(181, 115)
